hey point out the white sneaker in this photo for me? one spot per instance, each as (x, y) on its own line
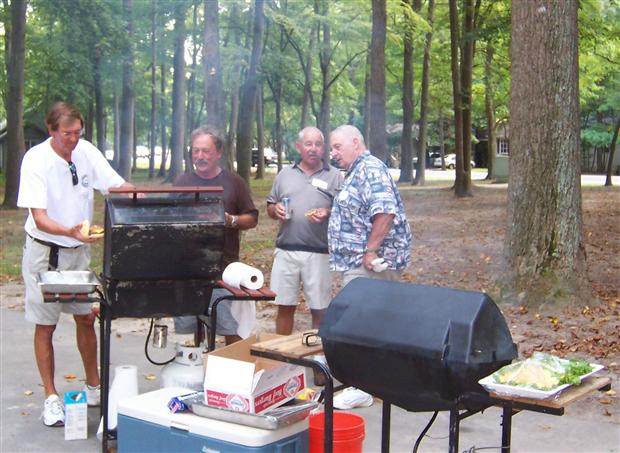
(352, 397)
(53, 411)
(93, 395)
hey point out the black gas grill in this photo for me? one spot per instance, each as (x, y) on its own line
(419, 347)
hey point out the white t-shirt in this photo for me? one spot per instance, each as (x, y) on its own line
(46, 183)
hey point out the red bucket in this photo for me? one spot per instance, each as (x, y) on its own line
(348, 437)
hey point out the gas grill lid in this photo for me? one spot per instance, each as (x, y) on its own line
(416, 346)
(174, 236)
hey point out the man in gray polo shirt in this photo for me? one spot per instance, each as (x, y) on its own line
(301, 253)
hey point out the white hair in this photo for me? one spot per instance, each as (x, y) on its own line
(351, 132)
(300, 136)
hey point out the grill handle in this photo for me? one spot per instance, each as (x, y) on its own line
(197, 190)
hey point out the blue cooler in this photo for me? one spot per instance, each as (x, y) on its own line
(146, 424)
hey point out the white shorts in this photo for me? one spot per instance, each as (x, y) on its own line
(388, 274)
(290, 269)
(36, 259)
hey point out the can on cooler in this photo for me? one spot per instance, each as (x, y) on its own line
(286, 202)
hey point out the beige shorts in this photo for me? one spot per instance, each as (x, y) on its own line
(290, 269)
(388, 274)
(35, 259)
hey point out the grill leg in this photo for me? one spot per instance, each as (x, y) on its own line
(454, 430)
(106, 329)
(385, 427)
(506, 427)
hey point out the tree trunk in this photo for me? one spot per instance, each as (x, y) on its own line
(426, 73)
(456, 92)
(153, 117)
(162, 121)
(612, 152)
(190, 117)
(544, 237)
(15, 103)
(214, 85)
(177, 132)
(116, 159)
(248, 96)
(260, 134)
(406, 145)
(323, 121)
(377, 135)
(99, 103)
(127, 99)
(462, 184)
(366, 131)
(305, 106)
(231, 144)
(489, 108)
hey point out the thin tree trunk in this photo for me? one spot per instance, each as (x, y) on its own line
(612, 151)
(117, 131)
(248, 96)
(489, 108)
(305, 106)
(153, 117)
(214, 85)
(260, 134)
(377, 136)
(426, 73)
(323, 121)
(177, 132)
(162, 121)
(99, 103)
(406, 144)
(15, 102)
(456, 88)
(544, 235)
(127, 98)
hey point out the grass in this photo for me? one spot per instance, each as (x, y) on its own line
(12, 233)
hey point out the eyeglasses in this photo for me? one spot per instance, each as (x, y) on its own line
(310, 339)
(67, 134)
(74, 176)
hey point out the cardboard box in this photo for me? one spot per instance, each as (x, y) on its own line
(237, 380)
(76, 416)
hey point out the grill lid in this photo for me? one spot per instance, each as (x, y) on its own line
(417, 346)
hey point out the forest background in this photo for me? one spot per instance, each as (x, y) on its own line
(415, 76)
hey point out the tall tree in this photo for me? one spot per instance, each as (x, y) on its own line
(489, 108)
(544, 239)
(15, 102)
(153, 116)
(177, 133)
(377, 135)
(127, 101)
(214, 85)
(248, 95)
(406, 142)
(420, 174)
(612, 152)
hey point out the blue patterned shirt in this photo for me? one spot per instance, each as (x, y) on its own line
(368, 190)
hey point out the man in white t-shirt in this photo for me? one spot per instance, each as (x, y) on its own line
(57, 183)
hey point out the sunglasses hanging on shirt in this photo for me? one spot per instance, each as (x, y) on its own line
(74, 175)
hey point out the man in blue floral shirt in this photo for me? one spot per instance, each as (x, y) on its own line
(368, 233)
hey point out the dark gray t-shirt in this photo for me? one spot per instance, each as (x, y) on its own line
(305, 192)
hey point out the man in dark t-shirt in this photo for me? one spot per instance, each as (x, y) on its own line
(240, 214)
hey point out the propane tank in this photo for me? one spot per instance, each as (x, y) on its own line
(186, 370)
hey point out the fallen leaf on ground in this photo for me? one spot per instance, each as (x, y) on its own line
(28, 392)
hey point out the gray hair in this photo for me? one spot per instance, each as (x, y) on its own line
(351, 132)
(300, 136)
(215, 135)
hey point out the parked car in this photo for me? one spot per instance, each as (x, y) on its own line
(451, 162)
(269, 154)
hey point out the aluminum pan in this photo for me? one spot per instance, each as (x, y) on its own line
(272, 419)
(68, 282)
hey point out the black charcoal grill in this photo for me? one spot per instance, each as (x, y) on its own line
(163, 251)
(162, 254)
(418, 347)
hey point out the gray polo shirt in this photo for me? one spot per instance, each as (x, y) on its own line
(305, 192)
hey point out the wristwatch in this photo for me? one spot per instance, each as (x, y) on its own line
(233, 221)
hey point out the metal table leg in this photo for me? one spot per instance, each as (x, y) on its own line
(454, 430)
(506, 427)
(385, 427)
(106, 329)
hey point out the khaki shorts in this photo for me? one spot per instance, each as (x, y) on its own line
(35, 259)
(290, 269)
(388, 274)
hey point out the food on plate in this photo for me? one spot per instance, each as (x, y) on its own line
(92, 231)
(542, 372)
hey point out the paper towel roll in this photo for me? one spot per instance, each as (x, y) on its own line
(124, 385)
(239, 274)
